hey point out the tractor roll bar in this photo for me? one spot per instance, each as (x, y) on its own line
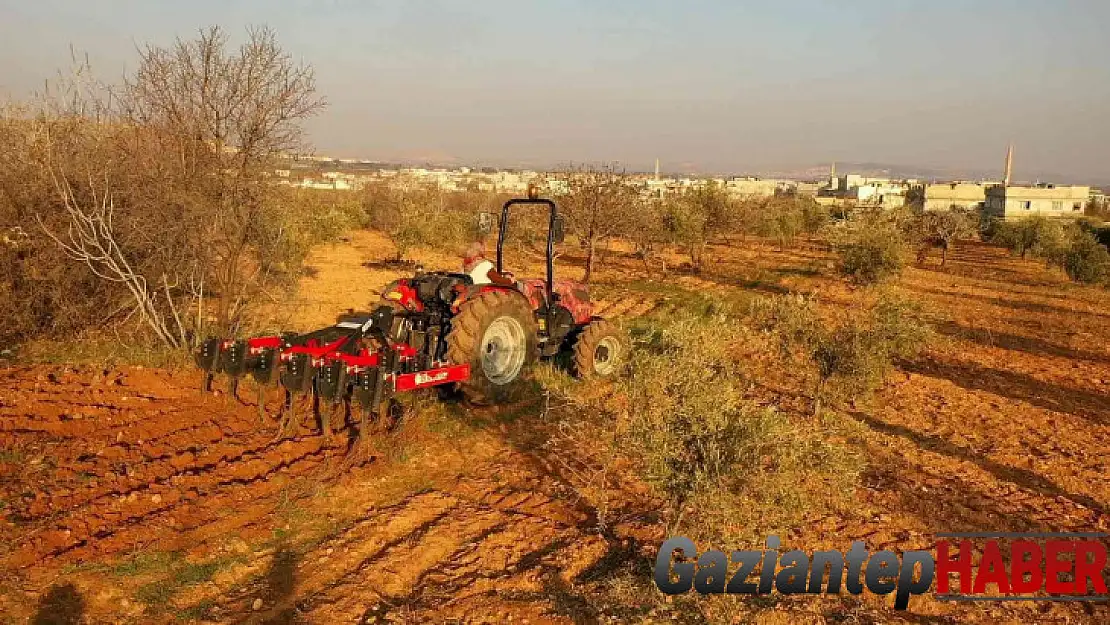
(503, 226)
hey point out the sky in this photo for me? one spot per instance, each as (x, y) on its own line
(706, 85)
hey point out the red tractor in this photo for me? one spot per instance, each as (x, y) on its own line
(435, 329)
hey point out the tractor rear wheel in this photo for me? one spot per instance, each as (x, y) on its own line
(495, 333)
(600, 350)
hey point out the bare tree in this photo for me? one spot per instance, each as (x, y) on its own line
(226, 114)
(646, 231)
(93, 241)
(162, 185)
(942, 229)
(599, 203)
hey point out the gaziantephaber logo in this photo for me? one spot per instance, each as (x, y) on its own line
(1018, 566)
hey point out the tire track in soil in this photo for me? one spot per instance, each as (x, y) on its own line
(460, 555)
(113, 524)
(158, 478)
(172, 482)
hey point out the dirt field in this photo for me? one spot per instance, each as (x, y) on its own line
(130, 497)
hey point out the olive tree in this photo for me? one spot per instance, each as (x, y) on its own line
(696, 217)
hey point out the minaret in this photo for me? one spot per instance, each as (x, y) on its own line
(1009, 165)
(657, 169)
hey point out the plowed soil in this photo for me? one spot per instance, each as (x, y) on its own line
(129, 496)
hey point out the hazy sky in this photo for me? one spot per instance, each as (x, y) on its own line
(726, 85)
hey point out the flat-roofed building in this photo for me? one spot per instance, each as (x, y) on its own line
(752, 187)
(1049, 200)
(966, 195)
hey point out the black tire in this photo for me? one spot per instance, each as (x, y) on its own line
(493, 375)
(600, 350)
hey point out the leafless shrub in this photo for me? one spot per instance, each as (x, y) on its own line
(599, 203)
(227, 114)
(159, 187)
(941, 229)
(40, 290)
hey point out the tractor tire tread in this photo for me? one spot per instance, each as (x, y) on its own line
(467, 329)
(582, 362)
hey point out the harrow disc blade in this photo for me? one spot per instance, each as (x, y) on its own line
(233, 360)
(363, 388)
(208, 356)
(297, 374)
(331, 381)
(263, 366)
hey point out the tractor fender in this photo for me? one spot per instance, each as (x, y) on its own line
(467, 293)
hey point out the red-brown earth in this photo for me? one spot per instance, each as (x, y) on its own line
(128, 496)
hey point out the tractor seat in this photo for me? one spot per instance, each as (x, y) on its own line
(502, 279)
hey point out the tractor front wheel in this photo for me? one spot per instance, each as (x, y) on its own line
(496, 334)
(600, 350)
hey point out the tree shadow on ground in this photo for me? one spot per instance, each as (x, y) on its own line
(977, 271)
(1019, 477)
(957, 505)
(278, 585)
(1016, 342)
(62, 605)
(756, 284)
(1092, 406)
(629, 563)
(1034, 307)
(531, 443)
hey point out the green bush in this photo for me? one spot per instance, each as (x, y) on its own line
(300, 219)
(871, 251)
(782, 218)
(1085, 259)
(415, 216)
(849, 359)
(695, 218)
(1074, 247)
(814, 216)
(1035, 235)
(726, 467)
